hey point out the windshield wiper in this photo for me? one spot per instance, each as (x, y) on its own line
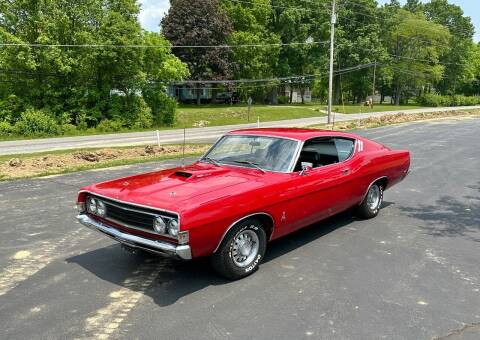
(211, 160)
(256, 166)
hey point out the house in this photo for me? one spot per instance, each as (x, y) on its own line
(295, 94)
(188, 94)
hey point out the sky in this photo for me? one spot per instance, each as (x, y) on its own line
(153, 11)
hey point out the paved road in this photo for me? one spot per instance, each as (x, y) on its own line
(176, 136)
(411, 273)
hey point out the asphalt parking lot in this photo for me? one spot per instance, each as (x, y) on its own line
(411, 273)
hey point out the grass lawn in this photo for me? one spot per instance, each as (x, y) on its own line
(215, 115)
(357, 108)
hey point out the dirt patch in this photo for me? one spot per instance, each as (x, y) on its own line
(31, 166)
(398, 118)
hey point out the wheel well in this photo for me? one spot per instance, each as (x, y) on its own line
(267, 222)
(264, 218)
(383, 182)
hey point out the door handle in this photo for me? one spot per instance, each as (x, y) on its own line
(345, 171)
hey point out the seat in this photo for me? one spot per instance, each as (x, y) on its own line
(309, 157)
(327, 152)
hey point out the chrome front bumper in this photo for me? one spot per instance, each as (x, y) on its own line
(163, 248)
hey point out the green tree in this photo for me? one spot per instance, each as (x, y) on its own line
(251, 22)
(306, 21)
(460, 44)
(415, 46)
(160, 68)
(200, 23)
(414, 6)
(358, 42)
(81, 85)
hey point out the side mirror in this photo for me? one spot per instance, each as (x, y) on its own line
(306, 167)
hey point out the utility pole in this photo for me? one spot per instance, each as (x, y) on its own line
(374, 78)
(330, 77)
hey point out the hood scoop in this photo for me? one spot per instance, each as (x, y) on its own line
(193, 174)
(183, 174)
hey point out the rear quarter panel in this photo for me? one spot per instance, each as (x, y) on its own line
(381, 162)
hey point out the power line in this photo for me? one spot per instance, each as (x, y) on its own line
(433, 21)
(295, 77)
(272, 6)
(425, 60)
(35, 45)
(325, 6)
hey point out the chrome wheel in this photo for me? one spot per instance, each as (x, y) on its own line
(245, 248)
(374, 197)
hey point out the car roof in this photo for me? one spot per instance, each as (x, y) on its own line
(293, 133)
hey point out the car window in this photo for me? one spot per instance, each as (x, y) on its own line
(268, 153)
(344, 148)
(325, 151)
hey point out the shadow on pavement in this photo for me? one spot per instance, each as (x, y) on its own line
(176, 279)
(449, 217)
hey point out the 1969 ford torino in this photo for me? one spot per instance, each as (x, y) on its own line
(251, 187)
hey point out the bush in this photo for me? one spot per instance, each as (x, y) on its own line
(162, 106)
(69, 129)
(282, 99)
(10, 108)
(435, 100)
(167, 110)
(5, 128)
(36, 123)
(108, 125)
(144, 119)
(143, 113)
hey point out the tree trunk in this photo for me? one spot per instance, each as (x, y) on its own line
(291, 95)
(398, 94)
(302, 94)
(337, 94)
(199, 93)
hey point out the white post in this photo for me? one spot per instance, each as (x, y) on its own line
(330, 76)
(158, 138)
(258, 121)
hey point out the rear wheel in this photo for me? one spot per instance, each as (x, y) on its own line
(372, 202)
(241, 251)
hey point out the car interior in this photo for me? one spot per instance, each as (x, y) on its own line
(324, 151)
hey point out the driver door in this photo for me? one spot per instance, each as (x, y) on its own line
(325, 189)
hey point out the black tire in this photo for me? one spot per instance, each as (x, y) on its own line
(225, 260)
(370, 207)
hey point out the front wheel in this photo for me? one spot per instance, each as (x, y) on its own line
(241, 251)
(372, 202)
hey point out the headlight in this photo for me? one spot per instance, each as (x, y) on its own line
(101, 209)
(159, 225)
(92, 205)
(173, 228)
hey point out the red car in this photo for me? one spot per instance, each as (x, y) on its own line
(251, 187)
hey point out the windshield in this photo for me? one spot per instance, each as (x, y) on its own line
(264, 153)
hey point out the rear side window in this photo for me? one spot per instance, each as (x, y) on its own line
(325, 151)
(344, 148)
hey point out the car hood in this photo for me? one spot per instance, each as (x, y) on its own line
(176, 189)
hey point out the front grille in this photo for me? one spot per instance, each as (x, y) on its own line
(132, 216)
(129, 217)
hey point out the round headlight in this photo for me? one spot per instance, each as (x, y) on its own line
(159, 225)
(101, 209)
(173, 228)
(92, 205)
